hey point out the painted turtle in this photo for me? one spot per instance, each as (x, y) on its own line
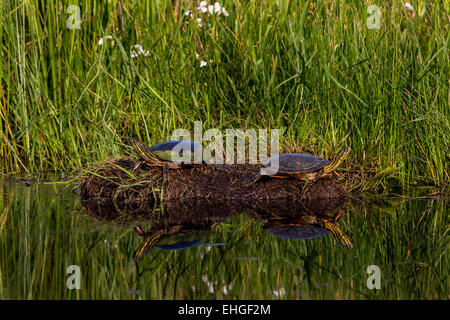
(301, 166)
(308, 227)
(174, 238)
(151, 237)
(161, 154)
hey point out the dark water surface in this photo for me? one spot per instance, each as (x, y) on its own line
(211, 251)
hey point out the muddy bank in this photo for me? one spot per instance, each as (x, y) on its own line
(109, 180)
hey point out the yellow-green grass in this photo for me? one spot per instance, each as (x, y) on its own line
(312, 69)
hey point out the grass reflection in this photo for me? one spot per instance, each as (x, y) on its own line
(44, 230)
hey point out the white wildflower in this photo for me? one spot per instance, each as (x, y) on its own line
(210, 284)
(409, 6)
(279, 293)
(101, 40)
(224, 12)
(203, 63)
(140, 51)
(217, 8)
(203, 7)
(225, 288)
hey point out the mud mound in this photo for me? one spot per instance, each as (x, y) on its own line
(110, 180)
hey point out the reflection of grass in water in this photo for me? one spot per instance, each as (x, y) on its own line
(407, 240)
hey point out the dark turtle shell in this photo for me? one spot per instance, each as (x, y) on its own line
(179, 245)
(184, 240)
(164, 150)
(297, 162)
(295, 232)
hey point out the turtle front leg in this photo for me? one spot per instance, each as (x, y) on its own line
(165, 171)
(223, 167)
(340, 177)
(136, 166)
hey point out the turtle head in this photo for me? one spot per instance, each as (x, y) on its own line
(338, 234)
(151, 238)
(337, 160)
(143, 150)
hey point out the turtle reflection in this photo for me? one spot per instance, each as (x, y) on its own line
(176, 237)
(180, 225)
(306, 227)
(297, 227)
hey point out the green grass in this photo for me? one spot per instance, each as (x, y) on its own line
(312, 69)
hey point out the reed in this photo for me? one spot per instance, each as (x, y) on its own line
(313, 69)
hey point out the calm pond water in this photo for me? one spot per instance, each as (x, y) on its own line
(210, 251)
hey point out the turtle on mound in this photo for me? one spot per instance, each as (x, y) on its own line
(299, 166)
(162, 155)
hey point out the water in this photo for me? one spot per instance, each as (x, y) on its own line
(212, 252)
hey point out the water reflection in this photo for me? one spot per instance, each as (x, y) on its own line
(178, 225)
(43, 230)
(175, 237)
(307, 227)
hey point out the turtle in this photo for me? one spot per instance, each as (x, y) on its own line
(151, 237)
(175, 237)
(300, 166)
(161, 155)
(308, 227)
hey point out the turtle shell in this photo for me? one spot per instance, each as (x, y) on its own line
(183, 240)
(179, 245)
(295, 232)
(164, 150)
(297, 162)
